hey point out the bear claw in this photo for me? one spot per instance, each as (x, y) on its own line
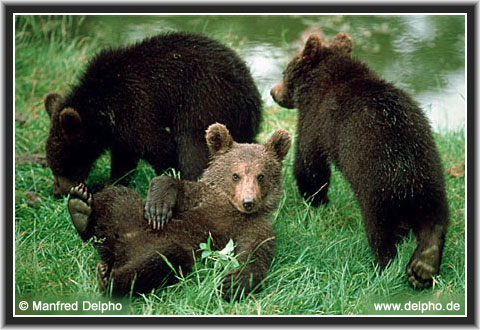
(161, 199)
(157, 224)
(80, 206)
(158, 220)
(423, 267)
(102, 275)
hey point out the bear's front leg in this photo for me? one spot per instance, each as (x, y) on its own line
(312, 173)
(167, 196)
(122, 166)
(161, 200)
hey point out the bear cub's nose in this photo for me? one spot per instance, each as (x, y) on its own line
(248, 203)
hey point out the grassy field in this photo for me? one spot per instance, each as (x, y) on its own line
(322, 265)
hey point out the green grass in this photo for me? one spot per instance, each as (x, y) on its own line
(322, 265)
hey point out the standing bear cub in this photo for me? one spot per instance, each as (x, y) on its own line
(152, 101)
(234, 199)
(379, 139)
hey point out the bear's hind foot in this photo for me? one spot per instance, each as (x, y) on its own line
(80, 207)
(423, 267)
(102, 272)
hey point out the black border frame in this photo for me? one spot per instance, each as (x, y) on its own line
(8, 11)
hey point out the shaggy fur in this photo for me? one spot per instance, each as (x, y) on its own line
(379, 139)
(130, 247)
(152, 101)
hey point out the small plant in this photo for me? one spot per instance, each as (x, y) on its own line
(212, 267)
(219, 259)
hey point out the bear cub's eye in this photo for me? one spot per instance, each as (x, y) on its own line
(235, 177)
(260, 177)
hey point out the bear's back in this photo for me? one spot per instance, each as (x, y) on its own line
(170, 79)
(379, 124)
(185, 56)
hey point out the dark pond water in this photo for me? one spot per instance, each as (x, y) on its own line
(423, 54)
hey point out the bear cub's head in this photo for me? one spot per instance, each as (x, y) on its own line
(250, 175)
(69, 152)
(316, 60)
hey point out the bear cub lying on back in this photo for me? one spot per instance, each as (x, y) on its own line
(234, 199)
(379, 139)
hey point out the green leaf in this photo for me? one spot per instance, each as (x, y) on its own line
(206, 254)
(228, 249)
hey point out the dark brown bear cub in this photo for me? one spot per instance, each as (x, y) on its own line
(152, 101)
(379, 139)
(234, 199)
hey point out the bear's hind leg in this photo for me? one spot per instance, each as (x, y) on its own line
(425, 262)
(80, 208)
(383, 245)
(381, 227)
(142, 277)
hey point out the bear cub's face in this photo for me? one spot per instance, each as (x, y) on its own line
(249, 174)
(67, 154)
(314, 58)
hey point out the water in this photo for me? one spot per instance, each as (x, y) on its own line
(422, 54)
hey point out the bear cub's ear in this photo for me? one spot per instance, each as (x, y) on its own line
(279, 143)
(218, 139)
(312, 48)
(51, 101)
(342, 42)
(70, 121)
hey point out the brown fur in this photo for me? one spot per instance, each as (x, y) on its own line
(151, 101)
(380, 140)
(130, 247)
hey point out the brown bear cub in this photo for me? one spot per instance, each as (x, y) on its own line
(234, 199)
(379, 139)
(152, 101)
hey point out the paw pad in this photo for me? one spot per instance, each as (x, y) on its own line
(423, 267)
(80, 206)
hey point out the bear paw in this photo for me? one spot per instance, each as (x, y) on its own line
(161, 199)
(102, 271)
(80, 207)
(423, 266)
(158, 214)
